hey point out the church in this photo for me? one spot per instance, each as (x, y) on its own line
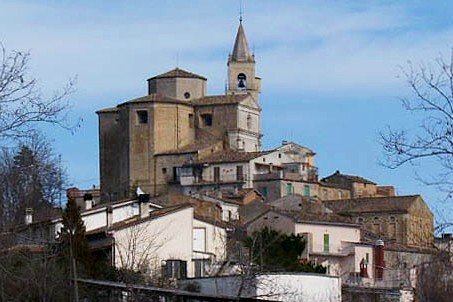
(143, 142)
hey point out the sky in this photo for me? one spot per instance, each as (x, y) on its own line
(330, 69)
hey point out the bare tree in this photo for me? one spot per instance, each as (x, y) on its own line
(30, 177)
(431, 88)
(22, 104)
(136, 251)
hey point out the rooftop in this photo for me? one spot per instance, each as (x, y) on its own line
(219, 100)
(372, 204)
(178, 73)
(351, 178)
(229, 156)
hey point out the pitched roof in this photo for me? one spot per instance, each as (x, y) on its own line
(305, 217)
(372, 204)
(351, 178)
(178, 73)
(137, 220)
(230, 196)
(229, 156)
(108, 110)
(154, 98)
(241, 50)
(219, 100)
(202, 142)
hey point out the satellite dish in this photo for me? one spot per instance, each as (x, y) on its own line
(139, 191)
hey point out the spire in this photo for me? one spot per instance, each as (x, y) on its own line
(241, 51)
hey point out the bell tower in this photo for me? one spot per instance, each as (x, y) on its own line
(241, 67)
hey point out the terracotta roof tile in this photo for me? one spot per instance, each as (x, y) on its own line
(108, 110)
(155, 98)
(352, 178)
(229, 156)
(372, 204)
(219, 99)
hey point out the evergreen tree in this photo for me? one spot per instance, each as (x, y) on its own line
(274, 251)
(30, 177)
(73, 239)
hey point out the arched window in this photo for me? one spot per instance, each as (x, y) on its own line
(242, 82)
(249, 122)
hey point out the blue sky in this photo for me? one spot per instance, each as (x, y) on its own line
(329, 68)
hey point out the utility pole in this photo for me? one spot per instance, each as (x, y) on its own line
(73, 268)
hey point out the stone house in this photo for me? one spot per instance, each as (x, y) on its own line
(406, 220)
(331, 240)
(233, 169)
(357, 185)
(144, 140)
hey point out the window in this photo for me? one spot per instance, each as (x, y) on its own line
(187, 95)
(264, 191)
(201, 267)
(279, 155)
(191, 120)
(199, 239)
(142, 116)
(164, 170)
(249, 121)
(392, 230)
(367, 258)
(239, 173)
(289, 189)
(307, 190)
(376, 228)
(175, 269)
(216, 173)
(176, 174)
(326, 243)
(206, 120)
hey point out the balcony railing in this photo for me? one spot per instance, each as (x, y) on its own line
(189, 180)
(312, 175)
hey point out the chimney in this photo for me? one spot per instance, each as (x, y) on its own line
(28, 215)
(143, 201)
(379, 262)
(109, 214)
(88, 200)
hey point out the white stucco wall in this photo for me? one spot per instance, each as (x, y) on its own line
(227, 171)
(215, 241)
(277, 287)
(337, 234)
(162, 238)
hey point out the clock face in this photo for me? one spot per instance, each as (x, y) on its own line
(187, 95)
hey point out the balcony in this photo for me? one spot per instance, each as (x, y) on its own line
(221, 179)
(311, 175)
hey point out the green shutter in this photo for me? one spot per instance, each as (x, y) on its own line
(326, 243)
(289, 189)
(307, 190)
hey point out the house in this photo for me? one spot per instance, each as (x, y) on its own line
(140, 235)
(85, 199)
(405, 220)
(230, 201)
(271, 172)
(162, 244)
(357, 185)
(331, 240)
